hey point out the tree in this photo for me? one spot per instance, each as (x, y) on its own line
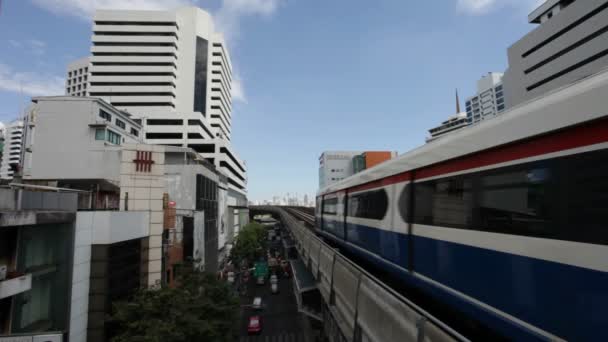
(201, 309)
(250, 243)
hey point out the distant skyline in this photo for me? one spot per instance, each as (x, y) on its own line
(311, 75)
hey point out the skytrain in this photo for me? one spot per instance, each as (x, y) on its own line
(504, 222)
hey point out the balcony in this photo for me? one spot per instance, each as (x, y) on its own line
(14, 286)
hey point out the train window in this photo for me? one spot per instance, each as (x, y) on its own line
(444, 202)
(585, 201)
(371, 204)
(404, 203)
(330, 206)
(516, 202)
(562, 198)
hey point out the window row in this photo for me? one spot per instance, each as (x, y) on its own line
(108, 135)
(121, 124)
(562, 199)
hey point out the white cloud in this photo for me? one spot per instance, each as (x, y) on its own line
(228, 19)
(86, 8)
(34, 46)
(229, 15)
(478, 7)
(30, 83)
(238, 93)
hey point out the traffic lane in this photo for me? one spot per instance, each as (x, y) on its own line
(279, 313)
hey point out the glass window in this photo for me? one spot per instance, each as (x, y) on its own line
(371, 204)
(499, 94)
(200, 75)
(105, 115)
(498, 88)
(501, 107)
(330, 206)
(134, 132)
(120, 124)
(100, 134)
(114, 137)
(561, 198)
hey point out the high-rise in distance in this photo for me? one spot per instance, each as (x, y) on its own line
(172, 71)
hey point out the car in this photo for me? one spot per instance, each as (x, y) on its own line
(260, 281)
(274, 288)
(230, 277)
(255, 325)
(274, 279)
(257, 303)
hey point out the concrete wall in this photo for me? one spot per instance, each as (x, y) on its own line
(63, 144)
(144, 191)
(80, 277)
(116, 226)
(181, 183)
(516, 81)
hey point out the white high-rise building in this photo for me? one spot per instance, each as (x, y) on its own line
(77, 79)
(11, 153)
(489, 100)
(172, 71)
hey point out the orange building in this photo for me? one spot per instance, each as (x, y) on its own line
(373, 158)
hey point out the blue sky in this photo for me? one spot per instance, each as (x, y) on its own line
(314, 75)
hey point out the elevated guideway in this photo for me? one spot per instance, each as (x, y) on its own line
(356, 306)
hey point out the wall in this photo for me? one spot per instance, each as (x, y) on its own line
(141, 190)
(516, 81)
(115, 226)
(373, 158)
(63, 145)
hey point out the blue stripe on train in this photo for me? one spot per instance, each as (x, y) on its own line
(568, 301)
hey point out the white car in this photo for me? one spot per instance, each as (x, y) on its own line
(257, 303)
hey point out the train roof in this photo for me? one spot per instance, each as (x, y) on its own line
(584, 100)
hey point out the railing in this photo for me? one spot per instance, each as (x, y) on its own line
(365, 309)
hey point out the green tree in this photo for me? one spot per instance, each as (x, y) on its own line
(250, 243)
(201, 309)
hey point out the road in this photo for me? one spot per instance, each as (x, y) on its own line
(281, 321)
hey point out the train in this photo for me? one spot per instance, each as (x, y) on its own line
(504, 222)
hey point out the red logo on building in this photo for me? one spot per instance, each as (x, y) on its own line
(143, 161)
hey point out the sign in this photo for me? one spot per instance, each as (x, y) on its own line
(260, 269)
(143, 161)
(171, 204)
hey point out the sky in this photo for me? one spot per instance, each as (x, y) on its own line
(311, 75)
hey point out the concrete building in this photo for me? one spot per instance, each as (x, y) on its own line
(568, 44)
(337, 165)
(40, 293)
(453, 123)
(173, 71)
(76, 82)
(143, 209)
(12, 150)
(489, 100)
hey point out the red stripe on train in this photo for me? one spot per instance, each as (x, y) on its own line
(584, 135)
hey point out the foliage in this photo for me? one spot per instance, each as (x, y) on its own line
(201, 309)
(250, 243)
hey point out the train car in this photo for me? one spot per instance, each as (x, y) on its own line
(505, 222)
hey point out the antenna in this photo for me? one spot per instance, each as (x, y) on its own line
(457, 102)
